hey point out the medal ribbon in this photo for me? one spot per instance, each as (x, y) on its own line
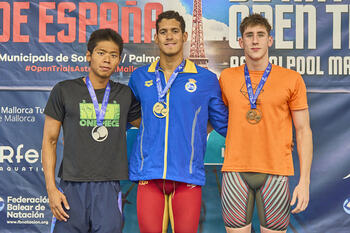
(253, 97)
(100, 113)
(162, 93)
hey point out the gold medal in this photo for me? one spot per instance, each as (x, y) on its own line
(160, 109)
(254, 116)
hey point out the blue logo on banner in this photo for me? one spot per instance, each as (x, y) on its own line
(2, 204)
(346, 206)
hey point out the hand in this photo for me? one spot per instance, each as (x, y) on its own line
(209, 128)
(301, 192)
(56, 198)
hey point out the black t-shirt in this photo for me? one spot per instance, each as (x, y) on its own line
(84, 158)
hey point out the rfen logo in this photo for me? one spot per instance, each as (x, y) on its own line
(2, 204)
(10, 155)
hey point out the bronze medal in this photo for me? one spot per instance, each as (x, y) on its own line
(254, 116)
(160, 109)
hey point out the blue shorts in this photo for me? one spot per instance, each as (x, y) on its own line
(95, 207)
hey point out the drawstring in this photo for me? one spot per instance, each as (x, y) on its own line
(174, 188)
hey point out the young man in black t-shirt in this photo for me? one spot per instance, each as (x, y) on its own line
(93, 112)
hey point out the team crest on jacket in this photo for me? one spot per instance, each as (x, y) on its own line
(191, 85)
(148, 83)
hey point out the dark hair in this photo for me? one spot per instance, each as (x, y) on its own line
(254, 20)
(171, 15)
(103, 35)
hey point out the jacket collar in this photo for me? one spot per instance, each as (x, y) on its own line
(189, 67)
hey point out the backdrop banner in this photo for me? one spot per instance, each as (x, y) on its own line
(43, 42)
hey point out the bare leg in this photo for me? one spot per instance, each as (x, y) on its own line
(265, 230)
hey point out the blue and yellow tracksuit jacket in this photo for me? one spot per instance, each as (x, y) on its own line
(173, 147)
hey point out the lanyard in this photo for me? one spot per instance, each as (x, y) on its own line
(100, 113)
(253, 97)
(162, 93)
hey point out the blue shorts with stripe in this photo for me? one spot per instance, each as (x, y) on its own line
(95, 207)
